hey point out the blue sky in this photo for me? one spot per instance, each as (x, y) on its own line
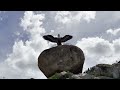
(95, 32)
(8, 25)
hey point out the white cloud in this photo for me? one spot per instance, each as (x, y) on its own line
(74, 16)
(22, 62)
(95, 45)
(17, 33)
(63, 17)
(116, 44)
(86, 15)
(113, 32)
(23, 59)
(98, 50)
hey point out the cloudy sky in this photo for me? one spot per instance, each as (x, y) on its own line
(95, 32)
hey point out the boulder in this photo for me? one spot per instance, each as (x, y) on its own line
(61, 58)
(107, 70)
(101, 70)
(116, 70)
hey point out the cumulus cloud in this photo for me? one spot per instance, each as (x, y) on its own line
(113, 32)
(17, 33)
(95, 45)
(63, 17)
(22, 62)
(23, 59)
(98, 50)
(74, 23)
(74, 16)
(116, 44)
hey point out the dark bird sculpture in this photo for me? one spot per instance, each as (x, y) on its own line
(58, 39)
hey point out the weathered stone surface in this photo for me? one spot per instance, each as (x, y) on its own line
(100, 71)
(61, 58)
(69, 75)
(105, 70)
(116, 70)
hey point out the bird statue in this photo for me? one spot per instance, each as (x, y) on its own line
(58, 39)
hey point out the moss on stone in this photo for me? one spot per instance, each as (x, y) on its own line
(67, 75)
(55, 76)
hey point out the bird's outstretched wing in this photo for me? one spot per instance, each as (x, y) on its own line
(50, 38)
(66, 38)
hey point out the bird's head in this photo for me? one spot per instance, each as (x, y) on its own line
(58, 35)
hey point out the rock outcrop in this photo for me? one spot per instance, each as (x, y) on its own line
(107, 70)
(61, 58)
(100, 71)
